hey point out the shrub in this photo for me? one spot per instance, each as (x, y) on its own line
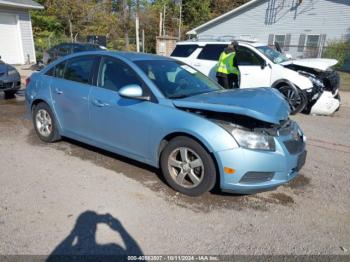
(339, 50)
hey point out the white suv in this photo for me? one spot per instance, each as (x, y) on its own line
(308, 84)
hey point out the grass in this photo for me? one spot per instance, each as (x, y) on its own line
(344, 81)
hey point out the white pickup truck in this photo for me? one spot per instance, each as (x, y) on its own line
(309, 85)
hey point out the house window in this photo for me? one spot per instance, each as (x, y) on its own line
(280, 39)
(312, 46)
(312, 41)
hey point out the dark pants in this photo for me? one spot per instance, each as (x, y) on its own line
(228, 81)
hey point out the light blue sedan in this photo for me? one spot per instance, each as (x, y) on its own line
(164, 113)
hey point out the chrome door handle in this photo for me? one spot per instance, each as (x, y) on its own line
(98, 103)
(58, 91)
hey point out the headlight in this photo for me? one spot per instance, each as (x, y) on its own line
(249, 139)
(11, 71)
(316, 81)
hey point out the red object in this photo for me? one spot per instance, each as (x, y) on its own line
(27, 81)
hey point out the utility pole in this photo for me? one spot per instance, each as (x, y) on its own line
(143, 40)
(125, 23)
(160, 24)
(164, 20)
(180, 20)
(137, 23)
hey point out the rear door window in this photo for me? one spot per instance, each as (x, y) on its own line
(78, 48)
(183, 50)
(79, 69)
(64, 50)
(212, 52)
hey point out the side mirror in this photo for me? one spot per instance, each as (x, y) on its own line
(263, 64)
(133, 92)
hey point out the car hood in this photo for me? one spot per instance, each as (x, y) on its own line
(316, 63)
(265, 104)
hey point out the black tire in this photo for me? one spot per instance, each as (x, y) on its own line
(294, 96)
(53, 135)
(10, 93)
(206, 172)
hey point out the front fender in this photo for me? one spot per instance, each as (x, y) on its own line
(302, 82)
(175, 121)
(279, 82)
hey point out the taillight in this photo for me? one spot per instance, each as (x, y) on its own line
(27, 81)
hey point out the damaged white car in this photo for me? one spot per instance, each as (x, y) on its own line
(309, 85)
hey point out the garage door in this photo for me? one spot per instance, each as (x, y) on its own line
(10, 47)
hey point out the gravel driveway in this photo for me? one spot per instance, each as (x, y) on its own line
(71, 198)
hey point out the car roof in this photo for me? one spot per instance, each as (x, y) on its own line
(131, 56)
(213, 42)
(76, 44)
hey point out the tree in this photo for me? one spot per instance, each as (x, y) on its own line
(219, 7)
(70, 20)
(196, 12)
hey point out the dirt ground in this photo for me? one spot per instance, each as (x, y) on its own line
(68, 197)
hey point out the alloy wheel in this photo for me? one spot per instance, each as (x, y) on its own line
(293, 97)
(186, 167)
(43, 123)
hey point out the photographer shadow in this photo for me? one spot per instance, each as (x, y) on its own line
(82, 239)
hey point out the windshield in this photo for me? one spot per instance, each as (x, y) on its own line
(175, 79)
(272, 54)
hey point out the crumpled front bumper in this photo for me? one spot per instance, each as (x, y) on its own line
(267, 170)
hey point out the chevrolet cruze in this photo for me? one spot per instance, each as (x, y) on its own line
(164, 113)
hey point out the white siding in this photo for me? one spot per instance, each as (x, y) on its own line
(26, 33)
(329, 17)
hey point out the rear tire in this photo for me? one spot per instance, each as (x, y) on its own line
(295, 98)
(187, 166)
(45, 123)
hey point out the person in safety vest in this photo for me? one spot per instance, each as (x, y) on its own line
(227, 70)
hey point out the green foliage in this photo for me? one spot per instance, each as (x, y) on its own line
(196, 12)
(339, 50)
(73, 20)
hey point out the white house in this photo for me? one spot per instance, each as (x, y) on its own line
(16, 36)
(297, 25)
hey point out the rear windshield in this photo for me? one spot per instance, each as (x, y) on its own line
(86, 47)
(212, 52)
(184, 50)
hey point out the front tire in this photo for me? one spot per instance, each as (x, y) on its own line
(45, 123)
(295, 98)
(188, 167)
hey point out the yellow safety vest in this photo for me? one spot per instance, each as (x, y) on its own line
(225, 64)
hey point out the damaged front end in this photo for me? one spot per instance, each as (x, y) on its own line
(251, 133)
(323, 98)
(268, 155)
